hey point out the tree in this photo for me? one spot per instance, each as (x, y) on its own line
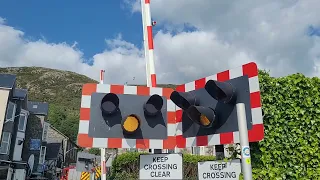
(64, 121)
(95, 151)
(57, 115)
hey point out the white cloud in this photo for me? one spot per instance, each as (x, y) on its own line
(270, 32)
(16, 50)
(2, 20)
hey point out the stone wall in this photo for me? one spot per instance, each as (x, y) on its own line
(54, 136)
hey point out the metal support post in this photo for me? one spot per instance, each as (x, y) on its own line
(92, 176)
(244, 142)
(103, 150)
(103, 164)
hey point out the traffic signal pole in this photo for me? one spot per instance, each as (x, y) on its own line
(103, 150)
(148, 47)
(244, 141)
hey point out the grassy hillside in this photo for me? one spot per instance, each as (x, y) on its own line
(61, 89)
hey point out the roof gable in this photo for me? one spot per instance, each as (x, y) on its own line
(20, 93)
(7, 81)
(38, 108)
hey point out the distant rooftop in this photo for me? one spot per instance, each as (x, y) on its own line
(20, 93)
(39, 108)
(7, 81)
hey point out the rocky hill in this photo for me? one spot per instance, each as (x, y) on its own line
(61, 89)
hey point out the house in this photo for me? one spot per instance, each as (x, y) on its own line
(70, 148)
(13, 120)
(29, 144)
(61, 152)
(36, 136)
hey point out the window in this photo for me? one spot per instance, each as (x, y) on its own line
(11, 112)
(45, 131)
(23, 120)
(5, 143)
(42, 154)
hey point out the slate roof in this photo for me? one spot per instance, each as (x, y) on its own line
(53, 150)
(38, 108)
(7, 81)
(20, 93)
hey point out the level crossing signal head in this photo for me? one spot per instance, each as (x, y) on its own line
(153, 105)
(135, 113)
(131, 123)
(192, 102)
(221, 91)
(109, 104)
(204, 116)
(184, 99)
(211, 109)
(206, 108)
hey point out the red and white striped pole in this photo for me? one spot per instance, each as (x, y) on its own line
(101, 76)
(103, 150)
(145, 43)
(148, 26)
(147, 34)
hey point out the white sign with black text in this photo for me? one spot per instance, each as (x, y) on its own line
(229, 170)
(160, 166)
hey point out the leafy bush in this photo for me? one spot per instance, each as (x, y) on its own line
(190, 165)
(95, 151)
(126, 166)
(291, 147)
(124, 175)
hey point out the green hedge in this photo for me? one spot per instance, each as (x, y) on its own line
(291, 147)
(190, 165)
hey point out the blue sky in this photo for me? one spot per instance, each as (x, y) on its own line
(82, 21)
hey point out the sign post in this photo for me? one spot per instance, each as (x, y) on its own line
(161, 166)
(244, 142)
(219, 170)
